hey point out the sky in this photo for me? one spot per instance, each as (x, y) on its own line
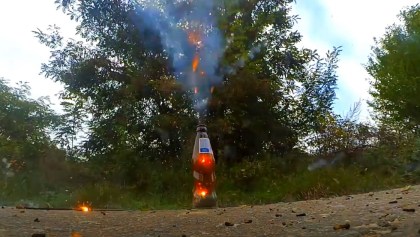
(323, 24)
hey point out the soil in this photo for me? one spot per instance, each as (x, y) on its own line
(386, 213)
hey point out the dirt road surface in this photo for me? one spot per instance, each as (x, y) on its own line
(386, 213)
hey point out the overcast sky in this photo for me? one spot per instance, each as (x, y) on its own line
(323, 23)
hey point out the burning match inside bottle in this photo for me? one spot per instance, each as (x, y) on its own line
(204, 192)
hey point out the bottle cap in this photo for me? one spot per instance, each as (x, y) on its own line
(201, 128)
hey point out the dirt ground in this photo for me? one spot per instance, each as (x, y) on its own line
(386, 213)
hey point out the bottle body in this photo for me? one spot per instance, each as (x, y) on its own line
(203, 163)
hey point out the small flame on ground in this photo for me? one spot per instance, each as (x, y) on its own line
(203, 193)
(84, 209)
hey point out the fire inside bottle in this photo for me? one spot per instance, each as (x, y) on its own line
(204, 191)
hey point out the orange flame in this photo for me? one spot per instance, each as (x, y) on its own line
(203, 193)
(195, 62)
(194, 38)
(200, 190)
(84, 208)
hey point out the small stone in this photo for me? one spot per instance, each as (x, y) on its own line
(279, 215)
(2, 207)
(37, 220)
(383, 223)
(248, 221)
(284, 223)
(227, 223)
(301, 214)
(371, 194)
(409, 209)
(376, 198)
(38, 235)
(341, 227)
(399, 198)
(103, 213)
(393, 202)
(303, 228)
(391, 218)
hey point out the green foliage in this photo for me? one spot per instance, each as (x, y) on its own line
(341, 134)
(122, 91)
(251, 182)
(395, 72)
(24, 127)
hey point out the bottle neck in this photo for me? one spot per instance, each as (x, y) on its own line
(202, 135)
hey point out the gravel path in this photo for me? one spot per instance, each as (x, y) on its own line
(386, 213)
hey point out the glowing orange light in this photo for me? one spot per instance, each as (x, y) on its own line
(195, 62)
(194, 38)
(200, 190)
(84, 208)
(204, 164)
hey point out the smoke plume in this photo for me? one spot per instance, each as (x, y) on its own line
(188, 32)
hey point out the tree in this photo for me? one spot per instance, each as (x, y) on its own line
(25, 127)
(126, 76)
(393, 66)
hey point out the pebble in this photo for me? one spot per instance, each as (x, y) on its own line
(341, 227)
(409, 209)
(227, 223)
(39, 235)
(383, 223)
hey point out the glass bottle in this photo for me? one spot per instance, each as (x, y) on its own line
(204, 165)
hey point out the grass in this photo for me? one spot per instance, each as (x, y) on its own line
(267, 180)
